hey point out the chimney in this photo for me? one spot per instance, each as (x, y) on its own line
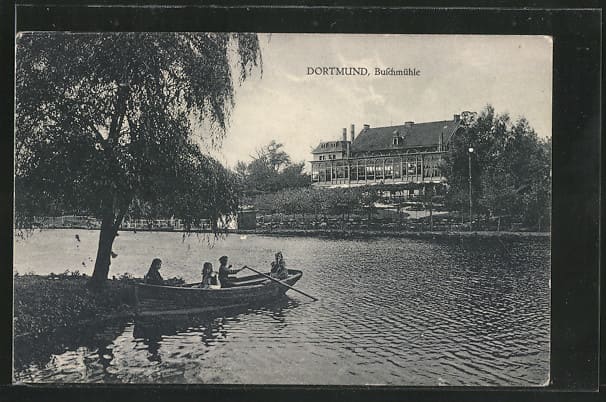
(344, 134)
(457, 118)
(353, 133)
(366, 127)
(409, 123)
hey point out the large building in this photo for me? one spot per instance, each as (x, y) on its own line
(407, 153)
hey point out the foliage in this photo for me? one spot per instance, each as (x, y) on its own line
(43, 304)
(320, 202)
(293, 176)
(368, 200)
(273, 156)
(106, 124)
(510, 169)
(271, 170)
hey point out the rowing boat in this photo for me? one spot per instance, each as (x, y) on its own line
(191, 299)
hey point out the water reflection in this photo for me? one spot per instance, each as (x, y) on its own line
(391, 311)
(66, 355)
(89, 354)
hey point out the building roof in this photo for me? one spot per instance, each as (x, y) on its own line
(333, 146)
(415, 135)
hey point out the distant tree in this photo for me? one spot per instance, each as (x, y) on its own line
(274, 156)
(258, 176)
(510, 168)
(241, 171)
(480, 132)
(105, 119)
(293, 176)
(271, 170)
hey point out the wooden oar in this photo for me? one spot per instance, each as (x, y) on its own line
(191, 285)
(281, 283)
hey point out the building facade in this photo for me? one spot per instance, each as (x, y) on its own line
(408, 153)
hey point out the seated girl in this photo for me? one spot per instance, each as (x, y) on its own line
(210, 280)
(278, 267)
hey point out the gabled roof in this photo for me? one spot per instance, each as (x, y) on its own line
(416, 135)
(333, 146)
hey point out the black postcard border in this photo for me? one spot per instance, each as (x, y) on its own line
(576, 172)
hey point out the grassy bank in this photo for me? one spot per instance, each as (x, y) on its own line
(43, 304)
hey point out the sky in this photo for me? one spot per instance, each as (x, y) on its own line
(457, 73)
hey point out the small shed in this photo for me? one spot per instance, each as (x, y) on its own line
(247, 219)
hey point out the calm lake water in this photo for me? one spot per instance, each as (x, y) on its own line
(391, 311)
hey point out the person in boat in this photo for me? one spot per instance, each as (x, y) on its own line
(225, 271)
(153, 276)
(278, 267)
(210, 279)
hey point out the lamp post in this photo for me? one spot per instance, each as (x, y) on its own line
(470, 202)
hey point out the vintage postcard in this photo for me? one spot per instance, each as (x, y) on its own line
(307, 209)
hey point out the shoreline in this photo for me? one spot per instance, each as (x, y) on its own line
(356, 234)
(45, 304)
(348, 233)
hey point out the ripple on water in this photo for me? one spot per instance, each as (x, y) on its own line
(391, 311)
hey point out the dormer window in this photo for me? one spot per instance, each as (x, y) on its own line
(397, 140)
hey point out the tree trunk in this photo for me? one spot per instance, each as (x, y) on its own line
(109, 230)
(104, 250)
(110, 222)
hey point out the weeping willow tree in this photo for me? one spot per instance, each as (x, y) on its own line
(106, 122)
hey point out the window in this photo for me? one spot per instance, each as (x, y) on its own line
(354, 173)
(411, 168)
(396, 168)
(378, 170)
(388, 173)
(370, 172)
